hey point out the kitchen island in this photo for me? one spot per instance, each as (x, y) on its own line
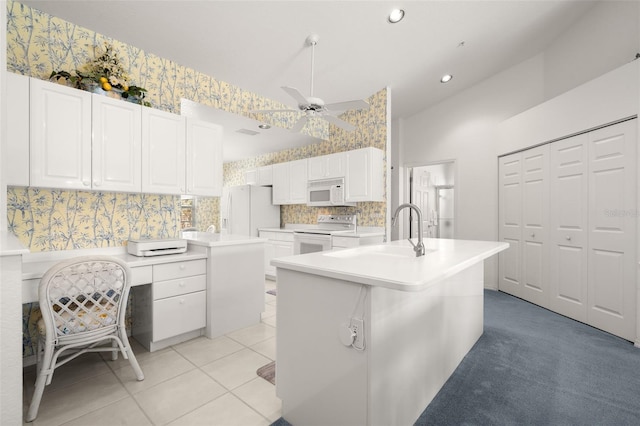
(369, 335)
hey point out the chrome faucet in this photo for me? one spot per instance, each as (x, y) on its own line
(418, 248)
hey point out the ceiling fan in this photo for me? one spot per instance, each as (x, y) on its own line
(315, 107)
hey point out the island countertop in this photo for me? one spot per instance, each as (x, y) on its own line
(394, 265)
(209, 239)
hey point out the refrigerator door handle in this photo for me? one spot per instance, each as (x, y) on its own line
(229, 200)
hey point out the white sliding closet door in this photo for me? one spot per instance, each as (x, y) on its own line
(568, 227)
(535, 235)
(612, 229)
(510, 229)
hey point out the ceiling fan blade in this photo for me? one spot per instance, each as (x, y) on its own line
(340, 123)
(295, 94)
(259, 111)
(343, 106)
(302, 121)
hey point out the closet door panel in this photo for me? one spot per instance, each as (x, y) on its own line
(535, 240)
(612, 229)
(568, 227)
(510, 229)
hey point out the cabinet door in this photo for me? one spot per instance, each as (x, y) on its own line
(568, 227)
(298, 182)
(15, 157)
(510, 223)
(335, 165)
(265, 175)
(364, 177)
(60, 136)
(269, 253)
(535, 235)
(611, 292)
(163, 152)
(204, 158)
(317, 167)
(180, 314)
(116, 147)
(281, 183)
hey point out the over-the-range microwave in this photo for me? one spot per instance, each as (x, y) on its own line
(327, 192)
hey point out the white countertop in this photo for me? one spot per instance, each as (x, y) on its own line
(10, 245)
(394, 265)
(209, 239)
(358, 233)
(34, 265)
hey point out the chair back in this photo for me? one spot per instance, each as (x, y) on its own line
(84, 298)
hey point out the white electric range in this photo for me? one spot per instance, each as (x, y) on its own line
(319, 237)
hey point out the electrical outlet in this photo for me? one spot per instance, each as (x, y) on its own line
(357, 325)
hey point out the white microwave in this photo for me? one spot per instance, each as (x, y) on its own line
(327, 192)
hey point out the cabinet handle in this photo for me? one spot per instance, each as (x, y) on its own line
(96, 183)
(182, 267)
(533, 235)
(568, 238)
(182, 301)
(181, 284)
(86, 183)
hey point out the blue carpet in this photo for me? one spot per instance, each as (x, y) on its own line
(534, 367)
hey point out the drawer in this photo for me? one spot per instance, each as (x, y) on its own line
(141, 275)
(267, 234)
(170, 288)
(173, 270)
(177, 315)
(344, 242)
(283, 236)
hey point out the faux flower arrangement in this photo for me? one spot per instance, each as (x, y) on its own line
(105, 72)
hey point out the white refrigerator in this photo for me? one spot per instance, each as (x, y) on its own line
(245, 208)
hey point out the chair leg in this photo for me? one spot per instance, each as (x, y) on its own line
(114, 352)
(128, 353)
(43, 368)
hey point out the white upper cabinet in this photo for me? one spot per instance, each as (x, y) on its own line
(60, 136)
(163, 152)
(15, 154)
(204, 158)
(365, 175)
(116, 149)
(327, 166)
(290, 182)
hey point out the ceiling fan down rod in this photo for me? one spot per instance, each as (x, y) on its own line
(312, 40)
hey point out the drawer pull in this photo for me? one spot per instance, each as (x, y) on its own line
(182, 301)
(181, 284)
(568, 238)
(183, 267)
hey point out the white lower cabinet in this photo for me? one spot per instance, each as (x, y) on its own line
(279, 244)
(571, 222)
(176, 307)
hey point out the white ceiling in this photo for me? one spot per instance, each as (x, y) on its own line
(260, 45)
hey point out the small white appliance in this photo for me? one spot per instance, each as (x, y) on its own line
(157, 247)
(319, 237)
(327, 192)
(245, 208)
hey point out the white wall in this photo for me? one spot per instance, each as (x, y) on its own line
(465, 127)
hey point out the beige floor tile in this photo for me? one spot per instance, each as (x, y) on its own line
(254, 334)
(140, 352)
(125, 412)
(176, 397)
(202, 351)
(266, 348)
(236, 369)
(261, 396)
(270, 321)
(80, 398)
(227, 410)
(156, 370)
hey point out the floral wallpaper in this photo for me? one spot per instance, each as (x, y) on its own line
(51, 219)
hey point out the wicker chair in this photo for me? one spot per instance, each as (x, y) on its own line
(83, 302)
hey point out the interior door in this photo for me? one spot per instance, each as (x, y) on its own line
(510, 217)
(421, 192)
(535, 213)
(568, 227)
(612, 229)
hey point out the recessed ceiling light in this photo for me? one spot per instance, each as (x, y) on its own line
(446, 78)
(396, 16)
(264, 126)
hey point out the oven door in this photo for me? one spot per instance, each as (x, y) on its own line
(310, 243)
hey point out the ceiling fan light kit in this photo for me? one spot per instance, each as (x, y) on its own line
(312, 106)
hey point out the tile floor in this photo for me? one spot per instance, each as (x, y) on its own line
(199, 382)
